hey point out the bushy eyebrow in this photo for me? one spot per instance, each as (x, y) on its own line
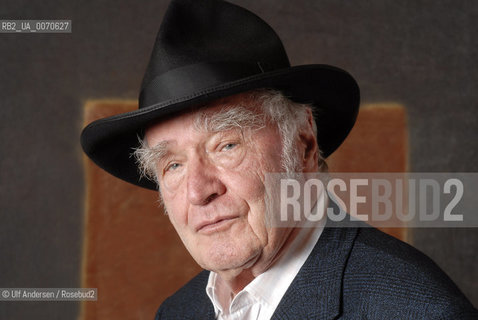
(161, 150)
(147, 157)
(229, 118)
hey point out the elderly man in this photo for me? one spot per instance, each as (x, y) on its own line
(220, 108)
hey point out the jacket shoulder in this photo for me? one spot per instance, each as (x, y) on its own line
(189, 302)
(386, 275)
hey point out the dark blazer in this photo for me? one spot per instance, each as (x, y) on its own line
(352, 273)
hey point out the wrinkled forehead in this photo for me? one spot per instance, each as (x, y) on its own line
(237, 111)
(245, 100)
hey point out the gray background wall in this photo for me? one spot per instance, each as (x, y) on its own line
(422, 54)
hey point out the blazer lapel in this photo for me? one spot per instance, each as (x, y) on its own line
(316, 291)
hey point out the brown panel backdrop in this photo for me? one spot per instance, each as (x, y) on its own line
(132, 253)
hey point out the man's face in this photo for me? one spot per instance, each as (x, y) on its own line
(212, 184)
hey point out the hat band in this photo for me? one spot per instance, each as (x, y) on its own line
(183, 81)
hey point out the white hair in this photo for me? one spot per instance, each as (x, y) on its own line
(290, 117)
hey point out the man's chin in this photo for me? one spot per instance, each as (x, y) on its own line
(230, 266)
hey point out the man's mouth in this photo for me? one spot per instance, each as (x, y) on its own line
(216, 225)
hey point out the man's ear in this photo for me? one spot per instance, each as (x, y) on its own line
(309, 151)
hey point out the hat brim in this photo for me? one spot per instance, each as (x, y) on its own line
(110, 142)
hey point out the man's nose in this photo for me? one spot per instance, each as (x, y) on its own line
(203, 183)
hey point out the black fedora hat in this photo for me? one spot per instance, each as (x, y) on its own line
(210, 49)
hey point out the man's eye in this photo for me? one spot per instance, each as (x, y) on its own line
(229, 146)
(172, 166)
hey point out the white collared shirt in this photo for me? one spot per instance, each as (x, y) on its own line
(259, 299)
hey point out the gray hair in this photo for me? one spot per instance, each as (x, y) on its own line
(276, 108)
